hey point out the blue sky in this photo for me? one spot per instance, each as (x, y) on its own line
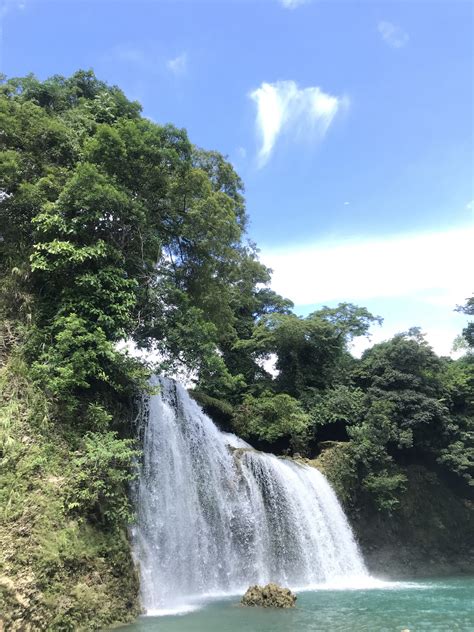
(351, 124)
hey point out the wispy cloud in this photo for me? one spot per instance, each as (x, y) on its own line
(392, 34)
(10, 5)
(292, 4)
(283, 106)
(127, 53)
(178, 65)
(145, 57)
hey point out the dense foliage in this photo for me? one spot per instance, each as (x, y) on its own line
(399, 404)
(116, 228)
(65, 565)
(118, 232)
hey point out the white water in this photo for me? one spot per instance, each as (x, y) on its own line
(214, 516)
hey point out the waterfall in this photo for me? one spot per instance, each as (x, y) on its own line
(214, 515)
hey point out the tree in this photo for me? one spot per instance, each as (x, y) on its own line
(271, 417)
(350, 321)
(430, 400)
(468, 331)
(113, 228)
(312, 352)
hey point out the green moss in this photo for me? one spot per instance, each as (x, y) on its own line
(60, 571)
(220, 411)
(336, 462)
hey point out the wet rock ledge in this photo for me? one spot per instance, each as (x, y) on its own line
(269, 596)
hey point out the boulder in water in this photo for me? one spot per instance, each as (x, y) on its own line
(269, 596)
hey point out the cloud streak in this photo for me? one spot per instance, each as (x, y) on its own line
(392, 34)
(434, 266)
(8, 5)
(408, 279)
(146, 58)
(283, 106)
(125, 53)
(292, 4)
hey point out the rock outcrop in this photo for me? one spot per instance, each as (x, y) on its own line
(269, 596)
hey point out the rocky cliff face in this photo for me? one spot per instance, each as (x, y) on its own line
(431, 533)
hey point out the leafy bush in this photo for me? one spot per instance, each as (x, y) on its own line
(386, 488)
(271, 417)
(99, 472)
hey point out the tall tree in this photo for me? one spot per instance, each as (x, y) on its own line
(113, 228)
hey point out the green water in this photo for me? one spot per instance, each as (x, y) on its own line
(443, 605)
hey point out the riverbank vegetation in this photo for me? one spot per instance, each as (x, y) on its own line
(115, 229)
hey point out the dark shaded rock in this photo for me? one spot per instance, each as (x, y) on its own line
(324, 445)
(269, 596)
(431, 534)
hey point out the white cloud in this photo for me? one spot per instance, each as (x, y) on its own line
(436, 264)
(292, 4)
(283, 106)
(392, 34)
(179, 64)
(426, 274)
(440, 338)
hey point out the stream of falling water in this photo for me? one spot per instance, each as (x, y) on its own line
(214, 515)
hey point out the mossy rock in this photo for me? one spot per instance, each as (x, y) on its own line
(269, 596)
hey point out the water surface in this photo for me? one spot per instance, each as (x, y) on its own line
(444, 605)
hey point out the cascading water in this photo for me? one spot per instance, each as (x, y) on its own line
(214, 515)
